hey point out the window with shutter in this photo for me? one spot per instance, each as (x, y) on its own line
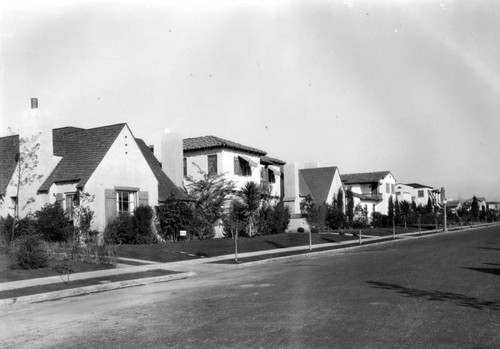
(110, 204)
(212, 164)
(237, 169)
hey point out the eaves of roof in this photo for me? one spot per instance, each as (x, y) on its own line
(212, 142)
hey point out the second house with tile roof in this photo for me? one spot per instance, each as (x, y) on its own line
(239, 163)
(371, 190)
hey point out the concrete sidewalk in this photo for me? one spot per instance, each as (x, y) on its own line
(189, 268)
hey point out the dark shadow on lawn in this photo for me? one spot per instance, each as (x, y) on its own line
(275, 244)
(494, 271)
(328, 239)
(489, 248)
(456, 298)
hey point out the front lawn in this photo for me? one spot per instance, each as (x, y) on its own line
(10, 271)
(178, 251)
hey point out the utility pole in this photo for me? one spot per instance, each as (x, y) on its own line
(443, 198)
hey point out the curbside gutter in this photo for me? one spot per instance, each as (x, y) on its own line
(78, 291)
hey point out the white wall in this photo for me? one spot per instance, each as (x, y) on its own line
(123, 166)
(225, 165)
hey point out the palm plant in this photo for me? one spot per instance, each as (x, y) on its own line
(246, 205)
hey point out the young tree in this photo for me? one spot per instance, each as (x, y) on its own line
(211, 193)
(350, 205)
(246, 206)
(390, 210)
(474, 208)
(405, 209)
(397, 211)
(25, 174)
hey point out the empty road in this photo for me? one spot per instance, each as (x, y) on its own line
(432, 292)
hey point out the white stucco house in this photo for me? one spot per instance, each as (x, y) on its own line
(371, 190)
(418, 193)
(109, 163)
(239, 163)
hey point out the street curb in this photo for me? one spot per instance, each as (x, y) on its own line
(78, 291)
(399, 238)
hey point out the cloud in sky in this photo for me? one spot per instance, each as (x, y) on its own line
(407, 86)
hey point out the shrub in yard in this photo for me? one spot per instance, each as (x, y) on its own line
(52, 223)
(173, 216)
(131, 229)
(30, 252)
(272, 219)
(24, 226)
(379, 220)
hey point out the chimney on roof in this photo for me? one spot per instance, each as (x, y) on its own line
(292, 191)
(172, 153)
(34, 103)
(313, 164)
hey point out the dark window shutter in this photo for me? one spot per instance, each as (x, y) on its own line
(237, 169)
(60, 199)
(143, 198)
(110, 204)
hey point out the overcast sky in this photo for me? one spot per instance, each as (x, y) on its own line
(407, 86)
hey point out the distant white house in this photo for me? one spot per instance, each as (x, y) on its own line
(418, 193)
(371, 190)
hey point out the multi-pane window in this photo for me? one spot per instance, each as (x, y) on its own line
(392, 188)
(125, 201)
(420, 193)
(72, 201)
(388, 188)
(212, 164)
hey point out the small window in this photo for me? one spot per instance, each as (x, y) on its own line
(388, 188)
(392, 188)
(420, 193)
(125, 201)
(212, 164)
(263, 174)
(72, 201)
(272, 178)
(242, 167)
(185, 169)
(398, 193)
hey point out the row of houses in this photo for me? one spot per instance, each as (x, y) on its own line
(121, 172)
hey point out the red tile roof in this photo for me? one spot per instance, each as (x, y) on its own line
(165, 185)
(211, 142)
(271, 161)
(367, 177)
(9, 148)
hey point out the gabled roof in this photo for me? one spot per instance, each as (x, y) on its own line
(316, 182)
(58, 139)
(83, 152)
(417, 186)
(367, 177)
(165, 185)
(211, 142)
(266, 160)
(9, 148)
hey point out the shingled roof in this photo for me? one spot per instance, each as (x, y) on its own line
(165, 185)
(83, 152)
(212, 142)
(316, 182)
(9, 148)
(367, 177)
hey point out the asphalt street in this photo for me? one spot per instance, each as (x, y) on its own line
(433, 292)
